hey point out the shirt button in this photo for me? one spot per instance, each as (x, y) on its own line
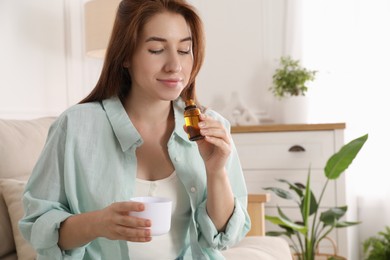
(193, 189)
(177, 159)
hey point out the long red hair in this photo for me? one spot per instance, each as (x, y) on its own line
(131, 17)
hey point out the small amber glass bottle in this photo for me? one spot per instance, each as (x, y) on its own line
(191, 116)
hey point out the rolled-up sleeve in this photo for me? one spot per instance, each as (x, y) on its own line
(236, 228)
(239, 223)
(44, 200)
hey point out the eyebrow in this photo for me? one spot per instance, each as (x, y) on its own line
(159, 39)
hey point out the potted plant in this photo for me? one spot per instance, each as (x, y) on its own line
(306, 233)
(377, 247)
(289, 86)
(290, 78)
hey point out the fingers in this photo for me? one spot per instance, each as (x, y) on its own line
(131, 221)
(134, 229)
(133, 234)
(213, 130)
(123, 218)
(120, 225)
(127, 206)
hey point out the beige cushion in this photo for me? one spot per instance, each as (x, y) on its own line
(7, 244)
(21, 142)
(257, 247)
(12, 193)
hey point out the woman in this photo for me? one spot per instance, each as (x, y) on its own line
(126, 139)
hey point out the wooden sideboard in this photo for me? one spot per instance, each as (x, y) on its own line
(270, 152)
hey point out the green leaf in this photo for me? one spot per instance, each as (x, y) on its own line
(341, 160)
(313, 204)
(290, 78)
(332, 215)
(377, 247)
(335, 258)
(307, 201)
(343, 224)
(281, 214)
(288, 230)
(293, 187)
(284, 222)
(284, 194)
(277, 233)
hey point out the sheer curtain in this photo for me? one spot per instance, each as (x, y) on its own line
(348, 42)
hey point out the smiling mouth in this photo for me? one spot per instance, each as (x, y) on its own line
(170, 82)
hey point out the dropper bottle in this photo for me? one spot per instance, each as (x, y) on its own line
(191, 117)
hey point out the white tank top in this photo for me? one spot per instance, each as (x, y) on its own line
(168, 246)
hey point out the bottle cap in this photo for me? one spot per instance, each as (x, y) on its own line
(190, 102)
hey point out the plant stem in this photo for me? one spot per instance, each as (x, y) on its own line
(309, 249)
(300, 242)
(295, 246)
(324, 235)
(314, 226)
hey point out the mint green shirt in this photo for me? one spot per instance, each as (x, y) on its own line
(89, 161)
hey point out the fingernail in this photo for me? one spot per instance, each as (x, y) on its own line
(201, 124)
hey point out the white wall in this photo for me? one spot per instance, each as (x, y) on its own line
(32, 64)
(46, 71)
(43, 66)
(244, 41)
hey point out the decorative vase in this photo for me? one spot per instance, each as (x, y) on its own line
(294, 110)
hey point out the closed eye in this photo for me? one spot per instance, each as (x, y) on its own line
(184, 52)
(156, 51)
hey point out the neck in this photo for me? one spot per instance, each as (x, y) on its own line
(147, 112)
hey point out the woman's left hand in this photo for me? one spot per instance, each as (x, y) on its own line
(215, 148)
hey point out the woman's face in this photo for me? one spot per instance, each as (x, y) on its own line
(162, 63)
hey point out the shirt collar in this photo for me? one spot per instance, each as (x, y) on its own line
(122, 126)
(124, 129)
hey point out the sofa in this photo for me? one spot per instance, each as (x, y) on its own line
(21, 142)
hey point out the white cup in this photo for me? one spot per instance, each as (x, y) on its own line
(158, 210)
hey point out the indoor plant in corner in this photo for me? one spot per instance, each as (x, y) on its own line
(289, 85)
(306, 233)
(377, 247)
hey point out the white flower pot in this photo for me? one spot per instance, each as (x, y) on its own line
(294, 110)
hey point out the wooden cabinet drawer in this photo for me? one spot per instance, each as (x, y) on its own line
(271, 150)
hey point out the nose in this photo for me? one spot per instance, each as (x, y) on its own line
(173, 63)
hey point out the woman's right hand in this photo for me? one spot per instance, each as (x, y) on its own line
(117, 224)
(112, 222)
